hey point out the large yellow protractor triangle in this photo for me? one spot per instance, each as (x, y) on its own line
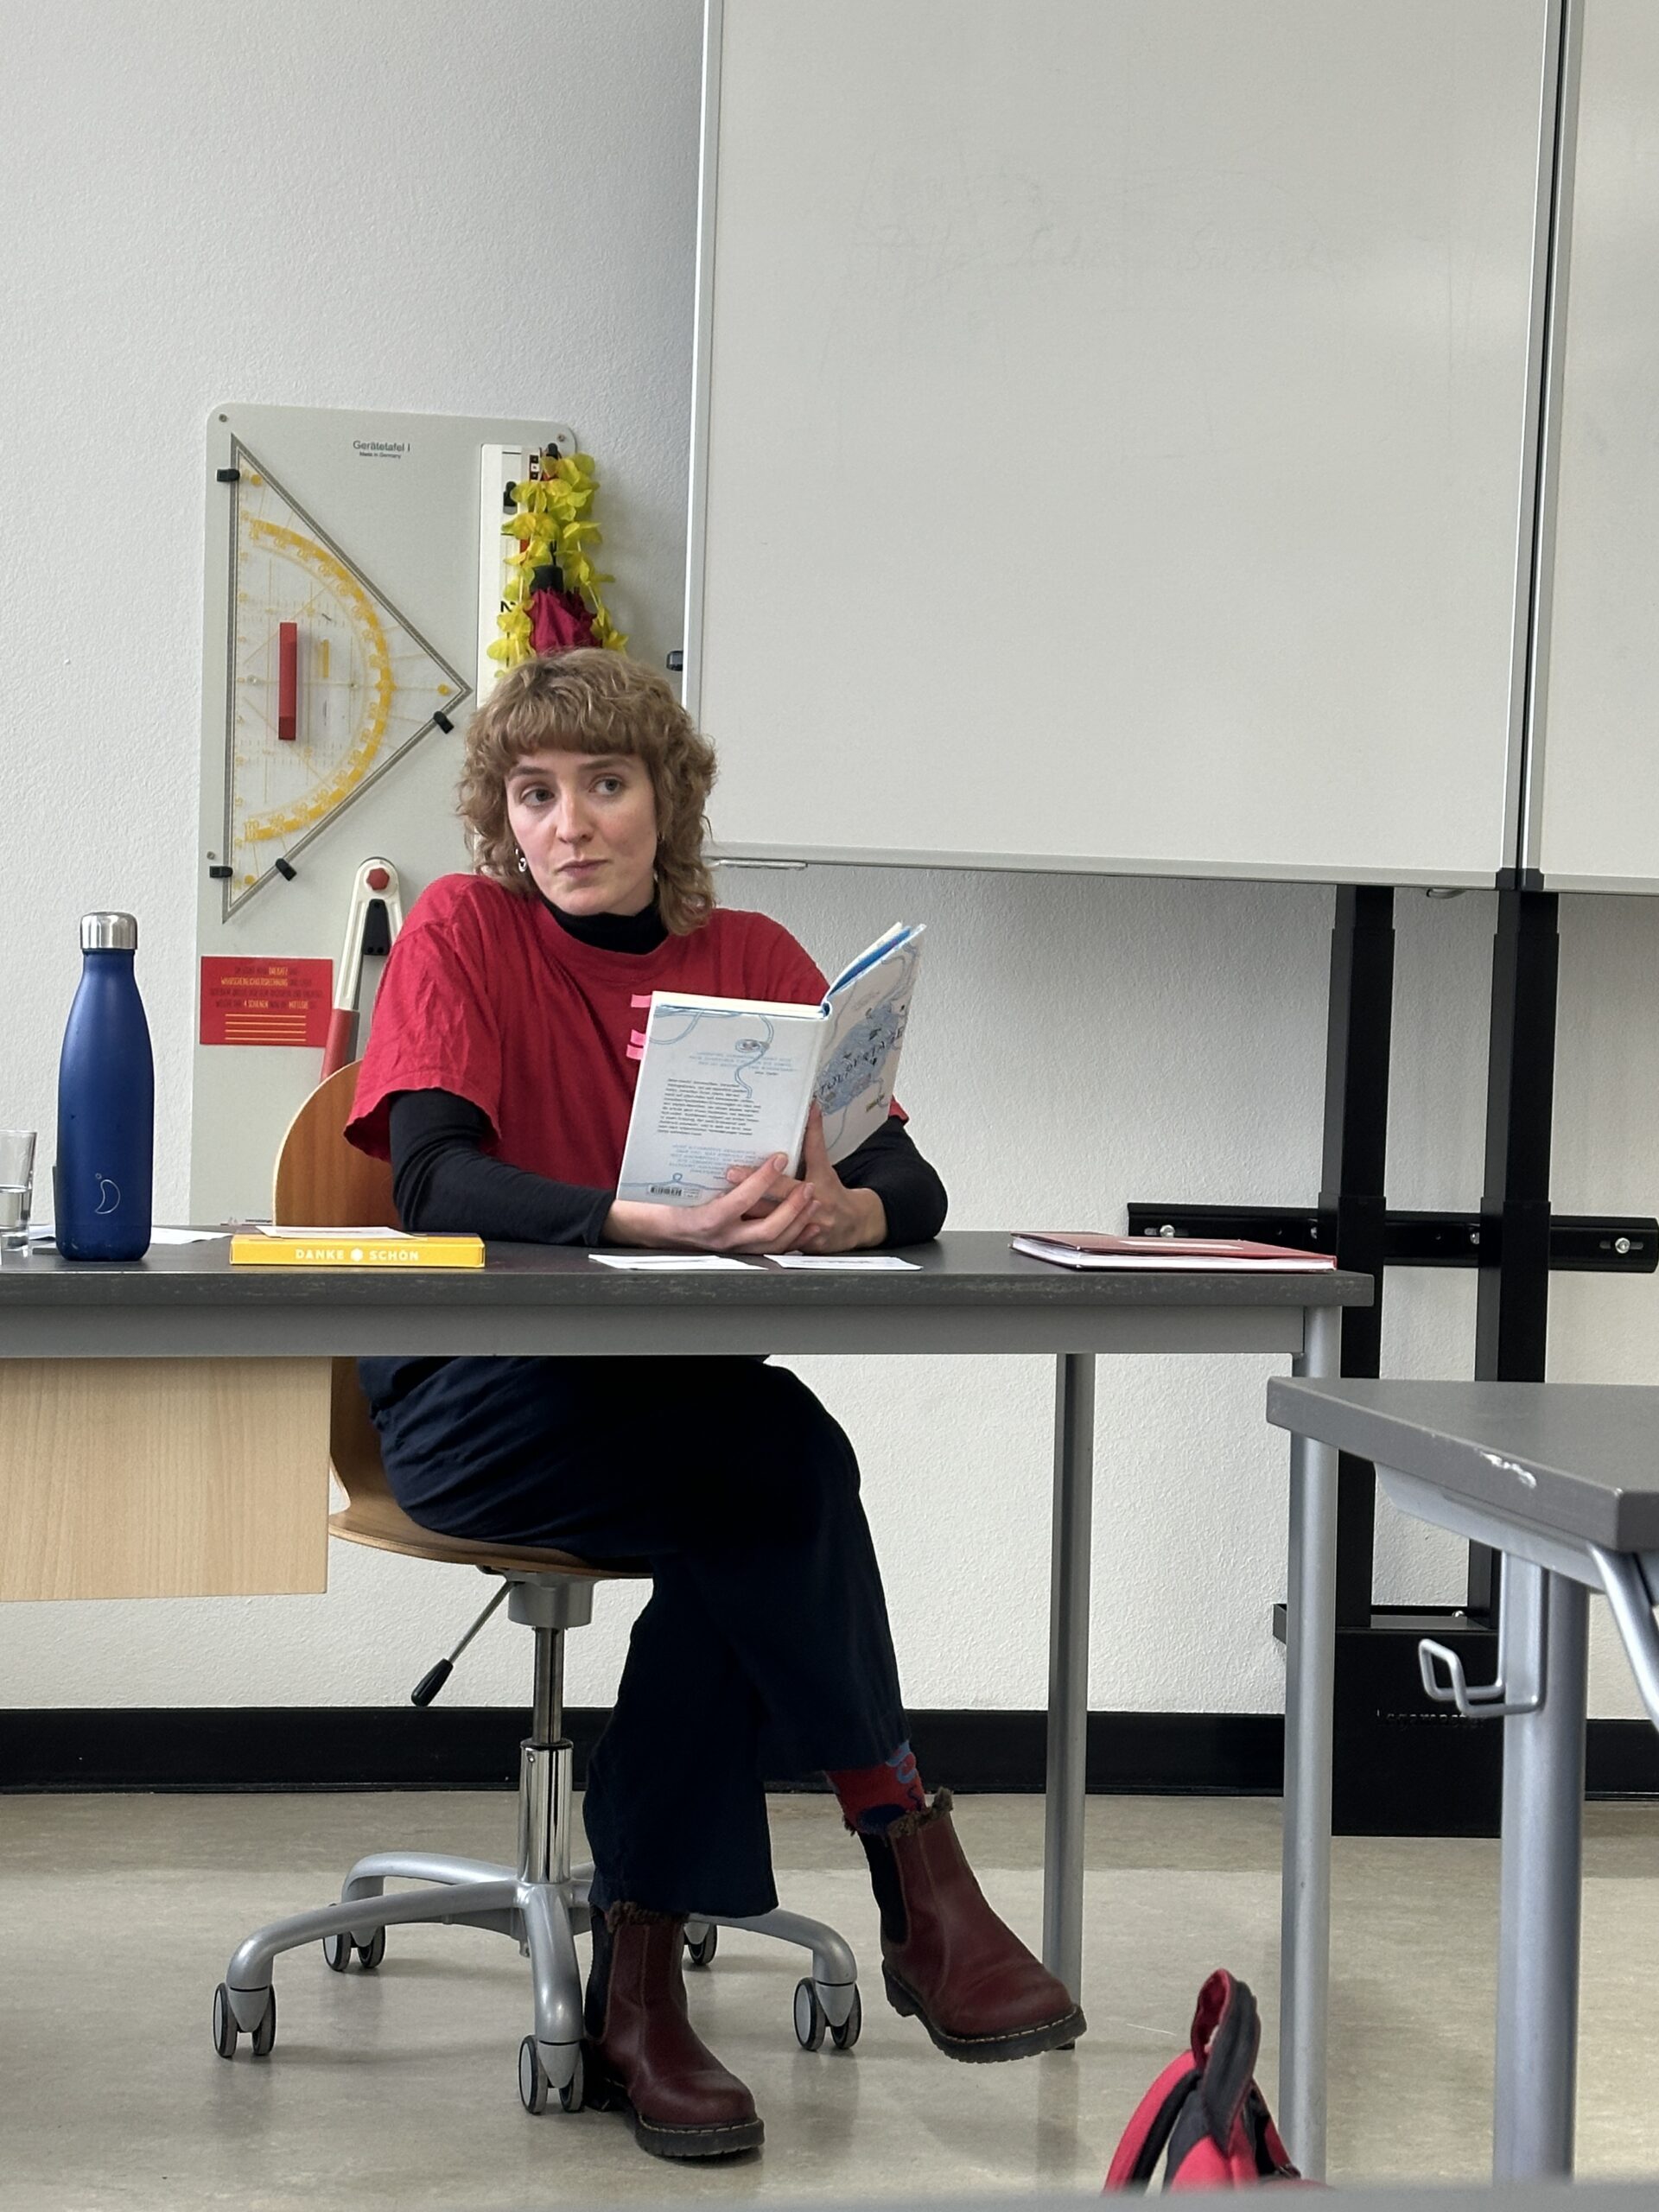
(329, 686)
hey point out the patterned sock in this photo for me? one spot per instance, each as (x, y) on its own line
(873, 1798)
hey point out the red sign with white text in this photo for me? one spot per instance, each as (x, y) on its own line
(266, 1001)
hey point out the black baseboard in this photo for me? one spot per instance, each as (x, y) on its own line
(459, 1747)
(476, 1747)
(1622, 1759)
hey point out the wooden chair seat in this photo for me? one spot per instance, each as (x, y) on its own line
(321, 1179)
(381, 1522)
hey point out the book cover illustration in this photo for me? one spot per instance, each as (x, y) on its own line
(869, 1006)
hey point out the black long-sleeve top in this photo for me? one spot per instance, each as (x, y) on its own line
(442, 1179)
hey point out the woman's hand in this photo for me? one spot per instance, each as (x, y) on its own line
(842, 1220)
(766, 1210)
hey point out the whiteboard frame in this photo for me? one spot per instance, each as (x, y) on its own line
(1535, 840)
(1561, 41)
(702, 348)
(1558, 140)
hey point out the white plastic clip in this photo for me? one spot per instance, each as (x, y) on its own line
(376, 879)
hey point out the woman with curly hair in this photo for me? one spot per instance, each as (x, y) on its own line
(497, 1080)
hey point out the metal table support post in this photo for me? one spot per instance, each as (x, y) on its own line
(1539, 1896)
(1068, 1667)
(1310, 1722)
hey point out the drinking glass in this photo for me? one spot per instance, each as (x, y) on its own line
(17, 1183)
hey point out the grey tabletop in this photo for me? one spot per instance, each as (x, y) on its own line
(964, 1268)
(966, 1293)
(1580, 1459)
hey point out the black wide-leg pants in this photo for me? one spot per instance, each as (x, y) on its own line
(765, 1647)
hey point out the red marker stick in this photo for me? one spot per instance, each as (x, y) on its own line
(287, 679)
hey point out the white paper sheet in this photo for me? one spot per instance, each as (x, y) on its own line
(660, 1263)
(860, 1264)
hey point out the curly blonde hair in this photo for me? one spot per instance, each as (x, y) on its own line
(590, 700)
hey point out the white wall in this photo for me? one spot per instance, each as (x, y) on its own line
(417, 206)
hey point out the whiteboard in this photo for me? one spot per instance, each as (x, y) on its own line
(1110, 432)
(1594, 824)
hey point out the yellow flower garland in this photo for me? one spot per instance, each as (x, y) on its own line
(551, 522)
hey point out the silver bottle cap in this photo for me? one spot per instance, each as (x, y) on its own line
(108, 933)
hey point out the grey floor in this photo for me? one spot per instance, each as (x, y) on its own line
(117, 1913)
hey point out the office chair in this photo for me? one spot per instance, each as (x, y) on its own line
(543, 1902)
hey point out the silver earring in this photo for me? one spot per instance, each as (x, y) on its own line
(524, 865)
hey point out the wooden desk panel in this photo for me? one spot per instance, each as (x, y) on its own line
(163, 1477)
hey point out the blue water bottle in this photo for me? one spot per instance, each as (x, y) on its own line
(106, 1103)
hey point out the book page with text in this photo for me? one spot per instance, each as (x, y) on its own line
(722, 1085)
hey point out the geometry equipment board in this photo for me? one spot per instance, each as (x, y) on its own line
(353, 565)
(327, 682)
(1110, 429)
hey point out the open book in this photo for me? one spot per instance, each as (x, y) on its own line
(725, 1082)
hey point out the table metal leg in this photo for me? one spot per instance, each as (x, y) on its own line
(1310, 1722)
(1539, 1900)
(1068, 1667)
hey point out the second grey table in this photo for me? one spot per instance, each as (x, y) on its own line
(1563, 1479)
(969, 1294)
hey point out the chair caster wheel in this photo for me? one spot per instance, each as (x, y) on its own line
(703, 1951)
(533, 2083)
(337, 1951)
(847, 2034)
(225, 2029)
(811, 2018)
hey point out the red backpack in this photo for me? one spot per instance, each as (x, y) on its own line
(1206, 2109)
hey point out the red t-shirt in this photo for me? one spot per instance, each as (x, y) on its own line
(485, 995)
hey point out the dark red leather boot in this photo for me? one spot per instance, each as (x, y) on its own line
(948, 1959)
(643, 2055)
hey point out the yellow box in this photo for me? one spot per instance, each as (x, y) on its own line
(357, 1252)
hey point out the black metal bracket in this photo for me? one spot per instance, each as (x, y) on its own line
(1618, 1245)
(377, 930)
